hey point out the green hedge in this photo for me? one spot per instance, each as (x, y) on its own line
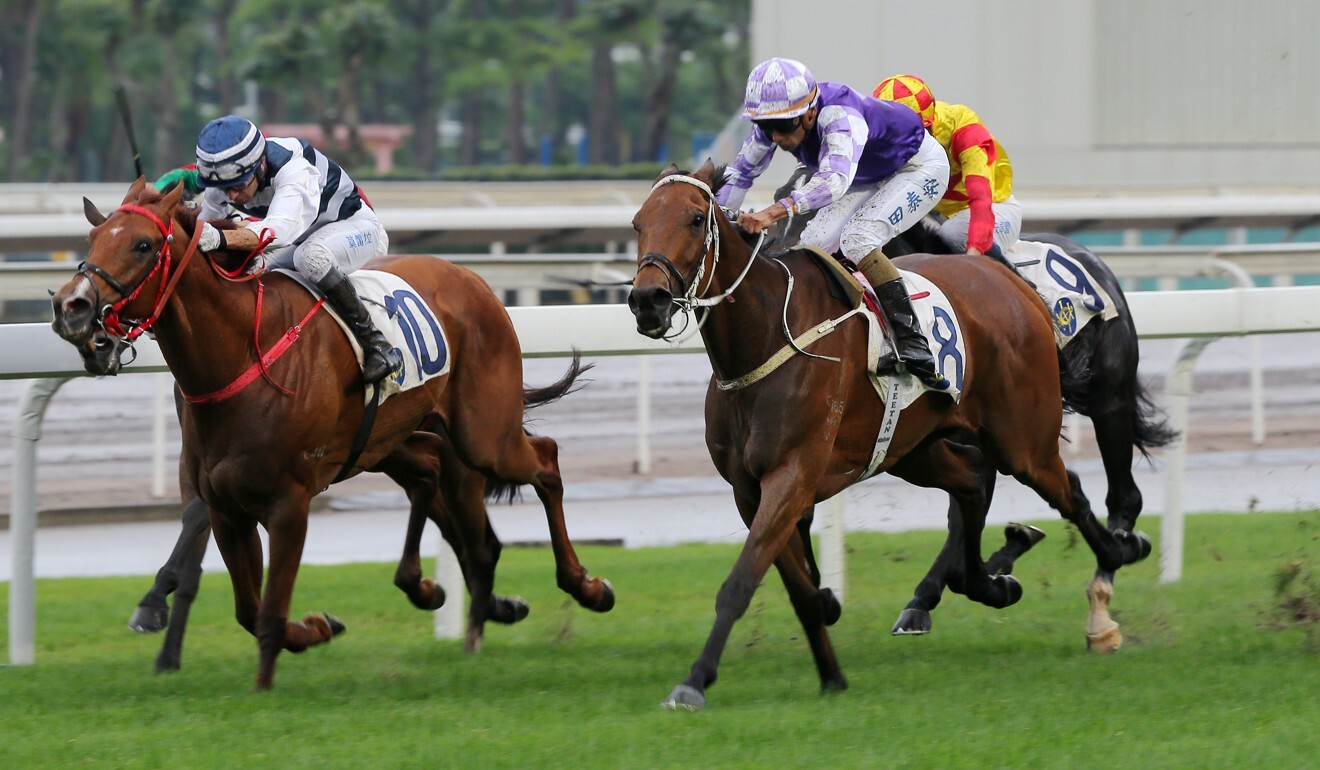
(639, 171)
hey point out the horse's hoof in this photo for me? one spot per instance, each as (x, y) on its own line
(1143, 545)
(685, 697)
(912, 623)
(166, 666)
(1009, 588)
(435, 592)
(1024, 534)
(508, 610)
(833, 685)
(606, 602)
(830, 603)
(336, 627)
(148, 620)
(1105, 642)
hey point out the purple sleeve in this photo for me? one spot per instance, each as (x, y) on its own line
(753, 159)
(843, 135)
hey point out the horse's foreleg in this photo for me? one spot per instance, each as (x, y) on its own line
(187, 559)
(814, 608)
(914, 620)
(829, 602)
(785, 493)
(153, 612)
(591, 592)
(287, 526)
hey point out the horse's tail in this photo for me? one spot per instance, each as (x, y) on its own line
(534, 397)
(1074, 382)
(1150, 428)
(498, 490)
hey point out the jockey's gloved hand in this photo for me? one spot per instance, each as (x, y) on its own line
(210, 239)
(184, 176)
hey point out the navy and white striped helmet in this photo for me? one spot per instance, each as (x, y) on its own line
(229, 149)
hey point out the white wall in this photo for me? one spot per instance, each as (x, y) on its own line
(1092, 93)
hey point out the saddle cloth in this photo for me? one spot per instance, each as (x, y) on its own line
(1071, 293)
(403, 317)
(939, 324)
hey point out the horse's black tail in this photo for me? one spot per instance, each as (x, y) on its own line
(1150, 428)
(1074, 382)
(498, 490)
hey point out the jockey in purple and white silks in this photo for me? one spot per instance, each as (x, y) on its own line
(875, 173)
(285, 189)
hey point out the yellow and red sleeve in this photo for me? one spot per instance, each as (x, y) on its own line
(976, 152)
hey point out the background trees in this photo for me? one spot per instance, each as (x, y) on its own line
(475, 82)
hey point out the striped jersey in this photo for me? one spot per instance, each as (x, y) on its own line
(300, 190)
(979, 170)
(856, 140)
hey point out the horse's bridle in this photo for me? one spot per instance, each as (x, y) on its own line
(688, 299)
(108, 315)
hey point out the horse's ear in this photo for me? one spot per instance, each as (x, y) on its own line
(93, 214)
(707, 171)
(669, 170)
(135, 191)
(171, 199)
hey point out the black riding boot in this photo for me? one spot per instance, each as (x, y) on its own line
(912, 348)
(379, 357)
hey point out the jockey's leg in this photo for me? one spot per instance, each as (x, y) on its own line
(380, 358)
(326, 257)
(912, 348)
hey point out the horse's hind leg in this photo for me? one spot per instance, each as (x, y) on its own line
(460, 513)
(415, 465)
(593, 593)
(1062, 489)
(963, 471)
(1114, 412)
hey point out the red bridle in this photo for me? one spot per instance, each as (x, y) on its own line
(111, 319)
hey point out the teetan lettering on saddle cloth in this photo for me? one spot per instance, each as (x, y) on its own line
(406, 321)
(943, 334)
(1069, 291)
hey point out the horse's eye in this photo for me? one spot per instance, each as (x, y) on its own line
(143, 246)
(699, 219)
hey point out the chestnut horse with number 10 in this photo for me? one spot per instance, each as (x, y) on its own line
(258, 455)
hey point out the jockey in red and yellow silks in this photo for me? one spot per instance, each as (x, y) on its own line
(979, 203)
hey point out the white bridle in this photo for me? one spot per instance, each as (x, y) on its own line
(690, 299)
